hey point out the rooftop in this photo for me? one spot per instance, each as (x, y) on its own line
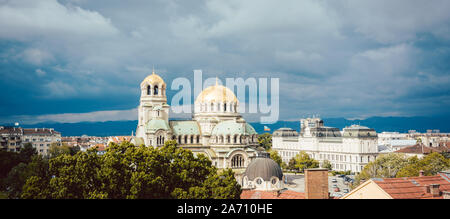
(413, 187)
(283, 194)
(422, 149)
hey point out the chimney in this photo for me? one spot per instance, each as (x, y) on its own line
(434, 190)
(316, 183)
(421, 173)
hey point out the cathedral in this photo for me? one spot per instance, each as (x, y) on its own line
(216, 130)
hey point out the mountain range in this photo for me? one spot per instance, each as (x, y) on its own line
(380, 124)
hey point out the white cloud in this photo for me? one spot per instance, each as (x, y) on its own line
(394, 21)
(332, 57)
(28, 19)
(58, 89)
(40, 72)
(36, 56)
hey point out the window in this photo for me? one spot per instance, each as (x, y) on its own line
(237, 161)
(225, 107)
(149, 90)
(274, 181)
(155, 90)
(259, 181)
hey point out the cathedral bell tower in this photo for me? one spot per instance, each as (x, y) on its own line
(153, 118)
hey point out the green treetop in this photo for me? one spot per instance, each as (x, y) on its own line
(128, 171)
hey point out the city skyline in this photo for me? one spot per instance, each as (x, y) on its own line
(83, 61)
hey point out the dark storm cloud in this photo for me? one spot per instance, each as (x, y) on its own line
(336, 58)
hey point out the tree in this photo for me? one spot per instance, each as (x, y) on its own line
(291, 164)
(399, 165)
(57, 150)
(128, 171)
(27, 152)
(19, 174)
(8, 160)
(385, 166)
(304, 161)
(431, 164)
(265, 141)
(327, 165)
(276, 157)
(74, 149)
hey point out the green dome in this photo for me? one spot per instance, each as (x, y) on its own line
(157, 124)
(249, 129)
(185, 127)
(231, 127)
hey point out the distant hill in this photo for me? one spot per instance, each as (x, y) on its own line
(380, 124)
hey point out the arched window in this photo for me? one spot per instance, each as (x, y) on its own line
(185, 139)
(212, 107)
(235, 139)
(228, 139)
(224, 107)
(148, 89)
(155, 92)
(179, 139)
(237, 161)
(192, 139)
(198, 139)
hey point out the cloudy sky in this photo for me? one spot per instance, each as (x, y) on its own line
(82, 60)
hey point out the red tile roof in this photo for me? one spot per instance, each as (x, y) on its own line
(421, 149)
(44, 131)
(413, 187)
(285, 194)
(100, 147)
(120, 139)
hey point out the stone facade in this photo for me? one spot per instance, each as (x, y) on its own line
(350, 149)
(216, 130)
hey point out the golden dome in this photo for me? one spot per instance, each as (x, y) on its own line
(216, 93)
(153, 79)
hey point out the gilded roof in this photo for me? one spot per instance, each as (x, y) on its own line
(153, 79)
(216, 93)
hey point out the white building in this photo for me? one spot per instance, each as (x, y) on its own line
(216, 130)
(349, 149)
(41, 139)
